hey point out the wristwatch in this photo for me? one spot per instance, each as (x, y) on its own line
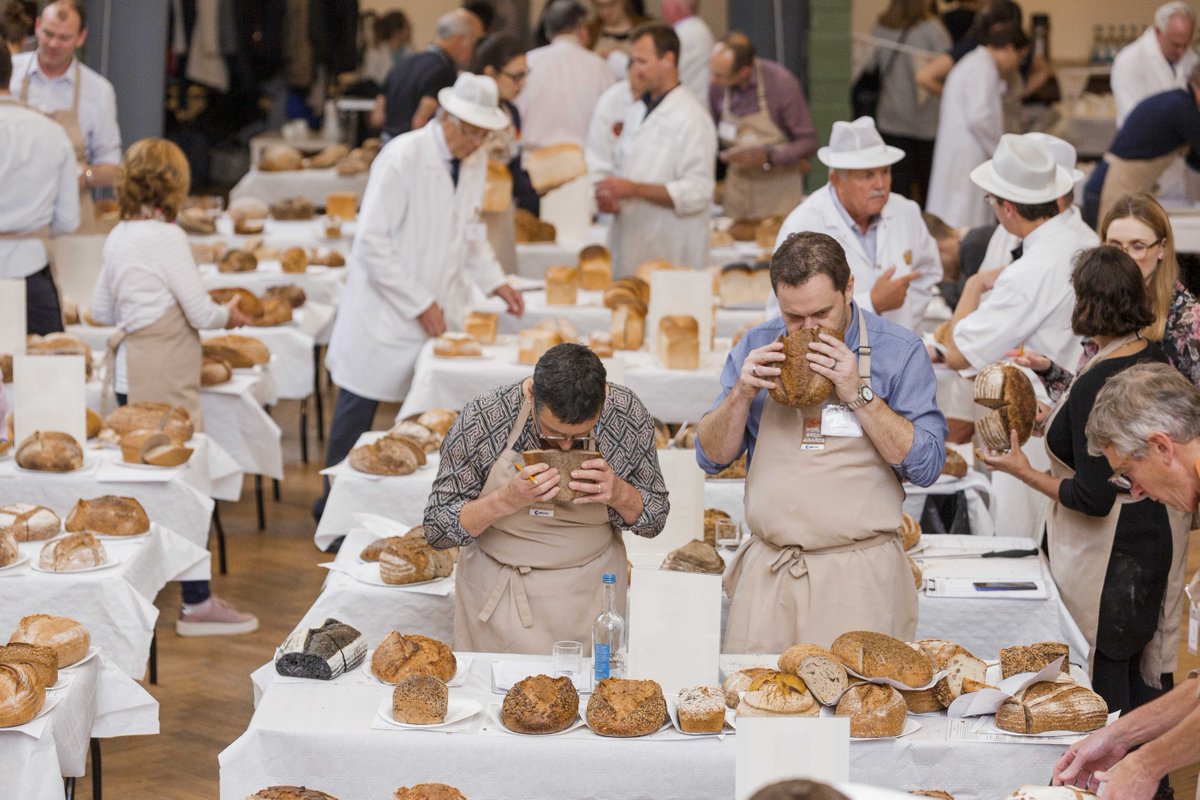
(767, 162)
(865, 395)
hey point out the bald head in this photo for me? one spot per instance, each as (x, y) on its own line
(732, 60)
(457, 33)
(1174, 25)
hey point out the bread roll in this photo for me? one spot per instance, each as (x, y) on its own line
(413, 561)
(279, 158)
(399, 656)
(327, 158)
(438, 420)
(701, 709)
(482, 325)
(742, 230)
(1033, 658)
(292, 293)
(797, 385)
(213, 372)
(247, 303)
(289, 793)
(294, 208)
(877, 655)
(956, 465)
(625, 708)
(457, 345)
(29, 523)
(343, 205)
(109, 515)
(532, 344)
(874, 710)
(679, 342)
(321, 653)
(1006, 390)
(743, 285)
(22, 695)
(562, 286)
(777, 694)
(174, 421)
(695, 556)
(9, 552)
(552, 166)
(738, 682)
(43, 660)
(294, 260)
(428, 791)
(540, 704)
(50, 451)
(276, 311)
(420, 700)
(72, 552)
(66, 637)
(1050, 706)
(391, 454)
(628, 330)
(238, 261)
(566, 462)
(820, 670)
(240, 351)
(595, 268)
(530, 229)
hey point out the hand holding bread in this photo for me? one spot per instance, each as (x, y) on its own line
(833, 360)
(536, 483)
(595, 480)
(759, 369)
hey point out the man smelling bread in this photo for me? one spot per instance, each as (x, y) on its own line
(855, 416)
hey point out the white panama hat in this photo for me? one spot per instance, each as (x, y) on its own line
(1023, 170)
(1063, 152)
(476, 101)
(857, 145)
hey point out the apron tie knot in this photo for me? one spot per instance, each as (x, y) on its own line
(791, 557)
(514, 577)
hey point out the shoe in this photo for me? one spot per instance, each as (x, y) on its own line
(214, 617)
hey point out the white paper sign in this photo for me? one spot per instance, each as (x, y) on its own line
(674, 628)
(988, 701)
(48, 395)
(771, 749)
(569, 209)
(685, 485)
(681, 291)
(12, 316)
(615, 369)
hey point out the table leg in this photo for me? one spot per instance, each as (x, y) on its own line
(275, 489)
(154, 659)
(69, 788)
(216, 522)
(258, 503)
(317, 393)
(97, 788)
(304, 430)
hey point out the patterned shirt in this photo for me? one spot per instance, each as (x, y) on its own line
(624, 436)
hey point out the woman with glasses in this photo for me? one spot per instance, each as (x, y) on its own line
(1110, 555)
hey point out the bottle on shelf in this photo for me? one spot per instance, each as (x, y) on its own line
(608, 635)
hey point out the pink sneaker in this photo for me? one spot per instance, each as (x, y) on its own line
(214, 617)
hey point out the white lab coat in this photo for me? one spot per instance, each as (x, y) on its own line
(605, 127)
(970, 124)
(418, 241)
(901, 241)
(1002, 243)
(675, 145)
(695, 46)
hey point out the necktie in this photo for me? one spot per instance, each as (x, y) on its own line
(1017, 251)
(455, 163)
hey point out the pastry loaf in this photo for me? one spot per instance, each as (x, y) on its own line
(874, 710)
(877, 655)
(1033, 658)
(289, 793)
(695, 556)
(29, 523)
(412, 560)
(428, 791)
(454, 344)
(9, 552)
(821, 672)
(701, 709)
(399, 656)
(552, 166)
(1047, 706)
(43, 660)
(595, 268)
(72, 552)
(343, 205)
(679, 342)
(482, 326)
(624, 708)
(420, 700)
(1006, 390)
(540, 704)
(776, 693)
(321, 653)
(497, 188)
(50, 451)
(562, 286)
(797, 386)
(743, 285)
(738, 682)
(532, 344)
(109, 515)
(213, 372)
(22, 695)
(628, 327)
(66, 637)
(247, 302)
(566, 462)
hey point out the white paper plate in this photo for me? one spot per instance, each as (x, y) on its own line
(460, 674)
(910, 726)
(494, 713)
(88, 466)
(47, 707)
(111, 562)
(91, 653)
(991, 727)
(583, 716)
(673, 710)
(456, 711)
(129, 465)
(108, 537)
(372, 578)
(63, 682)
(16, 564)
(937, 676)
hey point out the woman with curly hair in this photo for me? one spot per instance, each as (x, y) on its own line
(150, 289)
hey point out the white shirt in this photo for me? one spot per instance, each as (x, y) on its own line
(1032, 301)
(41, 186)
(565, 81)
(1140, 70)
(695, 46)
(97, 103)
(604, 129)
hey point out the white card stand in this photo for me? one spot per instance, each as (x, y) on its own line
(685, 485)
(674, 628)
(48, 395)
(569, 209)
(614, 368)
(679, 291)
(772, 749)
(12, 317)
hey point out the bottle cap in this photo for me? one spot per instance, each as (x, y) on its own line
(609, 578)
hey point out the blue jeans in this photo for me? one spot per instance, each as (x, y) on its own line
(352, 417)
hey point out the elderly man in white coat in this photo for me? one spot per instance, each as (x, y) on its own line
(420, 258)
(661, 185)
(893, 258)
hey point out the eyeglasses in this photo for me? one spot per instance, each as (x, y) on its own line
(558, 437)
(472, 132)
(1135, 249)
(1120, 479)
(517, 77)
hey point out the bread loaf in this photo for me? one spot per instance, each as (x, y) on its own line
(497, 188)
(776, 693)
(456, 345)
(289, 793)
(744, 285)
(821, 672)
(937, 794)
(238, 261)
(358, 162)
(530, 229)
(877, 655)
(428, 439)
(438, 420)
(482, 325)
(29, 523)
(60, 344)
(1006, 390)
(595, 268)
(321, 653)
(391, 454)
(9, 552)
(628, 330)
(921, 701)
(247, 302)
(213, 372)
(678, 342)
(797, 386)
(738, 682)
(566, 462)
(1030, 792)
(374, 550)
(294, 260)
(240, 351)
(562, 286)
(540, 704)
(173, 421)
(109, 515)
(962, 669)
(956, 465)
(279, 158)
(1033, 658)
(294, 208)
(196, 221)
(22, 695)
(625, 708)
(343, 205)
(323, 257)
(276, 311)
(701, 709)
(798, 789)
(43, 660)
(1053, 706)
(532, 344)
(292, 293)
(428, 791)
(66, 637)
(327, 158)
(874, 710)
(72, 552)
(695, 556)
(552, 166)
(420, 700)
(244, 208)
(50, 451)
(628, 291)
(399, 656)
(413, 560)
(742, 230)
(600, 343)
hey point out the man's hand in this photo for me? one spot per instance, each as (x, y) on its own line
(536, 483)
(831, 358)
(1128, 779)
(433, 322)
(512, 298)
(1085, 758)
(757, 372)
(596, 480)
(888, 293)
(1027, 358)
(756, 157)
(611, 191)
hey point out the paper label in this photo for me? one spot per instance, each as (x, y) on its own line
(771, 749)
(674, 628)
(541, 512)
(600, 661)
(727, 131)
(12, 316)
(1194, 631)
(838, 420)
(48, 395)
(813, 437)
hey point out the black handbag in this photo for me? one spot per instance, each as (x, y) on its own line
(865, 92)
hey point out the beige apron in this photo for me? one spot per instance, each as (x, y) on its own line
(162, 363)
(752, 192)
(824, 556)
(69, 120)
(532, 580)
(1076, 541)
(1126, 176)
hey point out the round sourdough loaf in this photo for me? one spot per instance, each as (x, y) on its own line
(66, 637)
(625, 708)
(29, 523)
(428, 791)
(289, 793)
(399, 656)
(50, 451)
(9, 552)
(797, 386)
(72, 552)
(738, 682)
(874, 710)
(1006, 390)
(540, 704)
(778, 693)
(43, 660)
(821, 672)
(22, 695)
(877, 655)
(109, 515)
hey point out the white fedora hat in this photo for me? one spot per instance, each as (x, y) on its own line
(475, 100)
(857, 145)
(1022, 171)
(1063, 152)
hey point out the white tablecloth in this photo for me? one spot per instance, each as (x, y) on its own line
(319, 735)
(115, 604)
(320, 284)
(671, 395)
(315, 184)
(99, 701)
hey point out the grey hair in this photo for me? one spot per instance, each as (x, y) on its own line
(1162, 16)
(1138, 402)
(563, 16)
(455, 23)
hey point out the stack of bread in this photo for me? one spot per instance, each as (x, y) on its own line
(60, 344)
(174, 421)
(29, 523)
(321, 653)
(877, 709)
(1006, 390)
(390, 454)
(456, 344)
(49, 451)
(108, 515)
(595, 268)
(399, 656)
(562, 286)
(622, 707)
(412, 560)
(540, 704)
(678, 342)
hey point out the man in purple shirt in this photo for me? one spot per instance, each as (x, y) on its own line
(765, 129)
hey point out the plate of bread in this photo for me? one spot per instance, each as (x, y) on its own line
(395, 710)
(14, 565)
(462, 667)
(701, 711)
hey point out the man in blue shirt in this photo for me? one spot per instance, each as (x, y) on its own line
(823, 482)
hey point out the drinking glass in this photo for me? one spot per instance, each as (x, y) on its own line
(729, 533)
(568, 660)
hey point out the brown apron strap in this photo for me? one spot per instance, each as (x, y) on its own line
(75, 98)
(42, 234)
(793, 556)
(514, 577)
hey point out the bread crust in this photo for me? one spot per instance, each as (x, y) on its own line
(109, 515)
(540, 704)
(874, 710)
(67, 637)
(877, 655)
(797, 385)
(621, 707)
(400, 655)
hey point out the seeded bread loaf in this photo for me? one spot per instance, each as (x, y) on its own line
(877, 655)
(428, 791)
(1033, 658)
(420, 700)
(625, 708)
(540, 704)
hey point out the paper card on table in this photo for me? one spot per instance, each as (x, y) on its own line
(12, 317)
(681, 291)
(674, 628)
(48, 395)
(771, 749)
(685, 485)
(988, 701)
(615, 369)
(569, 209)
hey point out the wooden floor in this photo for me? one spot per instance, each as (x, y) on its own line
(204, 684)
